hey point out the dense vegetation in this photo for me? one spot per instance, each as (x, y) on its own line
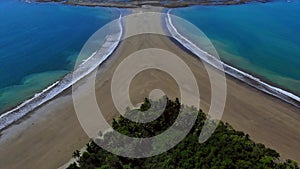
(225, 149)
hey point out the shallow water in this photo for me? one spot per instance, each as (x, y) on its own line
(39, 44)
(260, 38)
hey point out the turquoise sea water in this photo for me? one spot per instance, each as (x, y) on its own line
(39, 44)
(262, 39)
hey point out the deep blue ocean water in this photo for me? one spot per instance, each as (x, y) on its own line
(262, 39)
(39, 44)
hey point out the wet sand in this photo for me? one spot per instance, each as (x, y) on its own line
(49, 135)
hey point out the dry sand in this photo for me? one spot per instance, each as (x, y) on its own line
(47, 138)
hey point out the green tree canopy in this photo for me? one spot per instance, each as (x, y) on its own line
(225, 149)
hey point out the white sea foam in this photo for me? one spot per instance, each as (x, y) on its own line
(87, 66)
(243, 76)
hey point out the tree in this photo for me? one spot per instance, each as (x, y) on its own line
(76, 154)
(226, 148)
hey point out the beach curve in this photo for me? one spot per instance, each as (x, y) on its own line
(83, 69)
(56, 133)
(234, 72)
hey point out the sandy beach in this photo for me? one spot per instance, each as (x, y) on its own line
(47, 137)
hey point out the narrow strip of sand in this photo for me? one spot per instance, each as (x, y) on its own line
(49, 135)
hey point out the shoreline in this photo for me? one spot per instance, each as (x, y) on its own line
(244, 76)
(247, 77)
(7, 118)
(49, 134)
(13, 115)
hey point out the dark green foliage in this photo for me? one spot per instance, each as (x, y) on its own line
(76, 154)
(146, 105)
(73, 166)
(225, 149)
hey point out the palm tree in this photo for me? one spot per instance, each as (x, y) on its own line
(76, 154)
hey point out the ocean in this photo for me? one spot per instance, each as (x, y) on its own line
(40, 47)
(39, 44)
(261, 39)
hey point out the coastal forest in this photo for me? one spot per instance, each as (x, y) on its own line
(225, 149)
